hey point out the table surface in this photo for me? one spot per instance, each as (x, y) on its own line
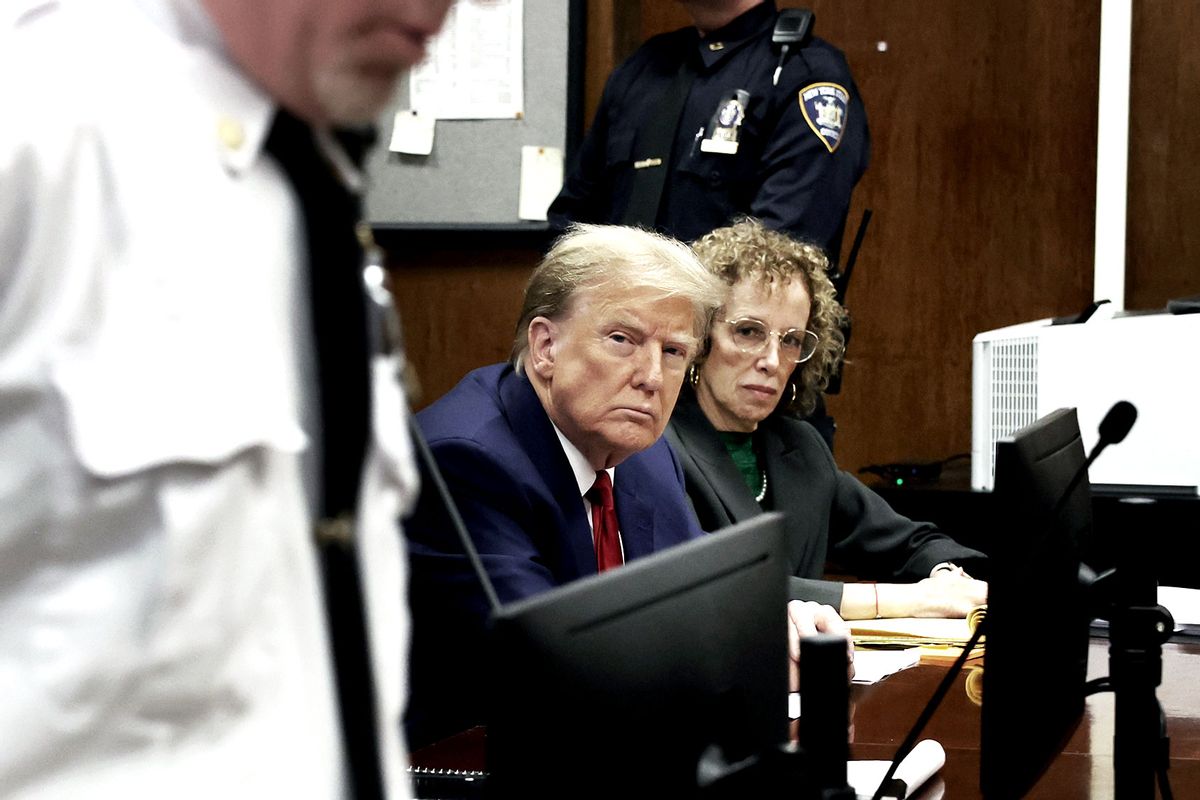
(882, 713)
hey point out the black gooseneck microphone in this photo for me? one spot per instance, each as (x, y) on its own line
(1115, 426)
(889, 787)
(1113, 429)
(468, 545)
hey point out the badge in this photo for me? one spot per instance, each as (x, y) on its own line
(824, 106)
(725, 124)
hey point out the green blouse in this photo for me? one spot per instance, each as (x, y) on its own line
(741, 450)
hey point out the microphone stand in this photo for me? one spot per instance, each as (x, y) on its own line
(1138, 627)
(815, 767)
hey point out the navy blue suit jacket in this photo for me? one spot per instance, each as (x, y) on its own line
(518, 497)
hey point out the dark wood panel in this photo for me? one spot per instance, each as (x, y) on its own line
(1163, 244)
(459, 309)
(982, 181)
(983, 117)
(600, 57)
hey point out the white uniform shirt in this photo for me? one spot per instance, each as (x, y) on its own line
(161, 622)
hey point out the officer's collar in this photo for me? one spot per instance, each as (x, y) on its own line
(719, 44)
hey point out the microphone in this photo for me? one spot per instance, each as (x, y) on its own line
(1113, 429)
(1115, 426)
(464, 538)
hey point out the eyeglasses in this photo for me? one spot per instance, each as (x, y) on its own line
(751, 336)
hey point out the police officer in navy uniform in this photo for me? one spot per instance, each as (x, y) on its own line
(786, 147)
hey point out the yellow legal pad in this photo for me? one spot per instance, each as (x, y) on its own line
(939, 639)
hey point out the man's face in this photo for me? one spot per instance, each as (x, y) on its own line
(609, 371)
(328, 61)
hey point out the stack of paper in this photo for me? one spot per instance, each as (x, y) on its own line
(872, 666)
(939, 639)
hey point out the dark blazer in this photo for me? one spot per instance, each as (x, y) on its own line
(518, 497)
(829, 513)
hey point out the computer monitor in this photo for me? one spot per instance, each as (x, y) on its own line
(616, 685)
(1035, 663)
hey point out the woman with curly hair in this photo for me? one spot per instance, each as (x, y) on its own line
(770, 350)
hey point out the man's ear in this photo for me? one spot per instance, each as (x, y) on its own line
(543, 336)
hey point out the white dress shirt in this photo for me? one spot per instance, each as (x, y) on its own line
(161, 622)
(585, 477)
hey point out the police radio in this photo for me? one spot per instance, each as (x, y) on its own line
(792, 26)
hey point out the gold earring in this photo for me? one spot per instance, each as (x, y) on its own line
(693, 376)
(793, 401)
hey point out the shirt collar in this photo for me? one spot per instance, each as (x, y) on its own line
(184, 20)
(244, 110)
(719, 44)
(585, 476)
(241, 109)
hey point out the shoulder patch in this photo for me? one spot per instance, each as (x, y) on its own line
(825, 106)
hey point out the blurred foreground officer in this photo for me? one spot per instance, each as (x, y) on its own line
(694, 130)
(169, 439)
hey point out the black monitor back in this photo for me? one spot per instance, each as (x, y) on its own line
(1035, 663)
(615, 685)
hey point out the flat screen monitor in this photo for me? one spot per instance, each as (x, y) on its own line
(617, 684)
(1035, 662)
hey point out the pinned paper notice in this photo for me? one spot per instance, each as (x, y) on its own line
(541, 179)
(412, 133)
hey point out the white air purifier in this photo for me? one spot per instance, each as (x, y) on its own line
(1150, 359)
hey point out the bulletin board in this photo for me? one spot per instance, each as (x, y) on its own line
(470, 181)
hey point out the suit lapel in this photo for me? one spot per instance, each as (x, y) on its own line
(634, 515)
(529, 422)
(784, 458)
(712, 459)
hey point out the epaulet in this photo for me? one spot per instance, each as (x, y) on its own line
(14, 12)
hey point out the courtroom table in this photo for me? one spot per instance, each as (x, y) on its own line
(882, 713)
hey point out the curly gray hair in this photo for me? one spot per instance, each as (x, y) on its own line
(746, 250)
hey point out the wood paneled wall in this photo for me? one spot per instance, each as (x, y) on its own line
(983, 119)
(1162, 250)
(459, 309)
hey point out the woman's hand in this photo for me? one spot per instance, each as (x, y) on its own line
(946, 594)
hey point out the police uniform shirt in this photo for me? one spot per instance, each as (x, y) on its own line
(788, 153)
(162, 631)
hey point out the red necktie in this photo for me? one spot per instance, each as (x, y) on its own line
(604, 523)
